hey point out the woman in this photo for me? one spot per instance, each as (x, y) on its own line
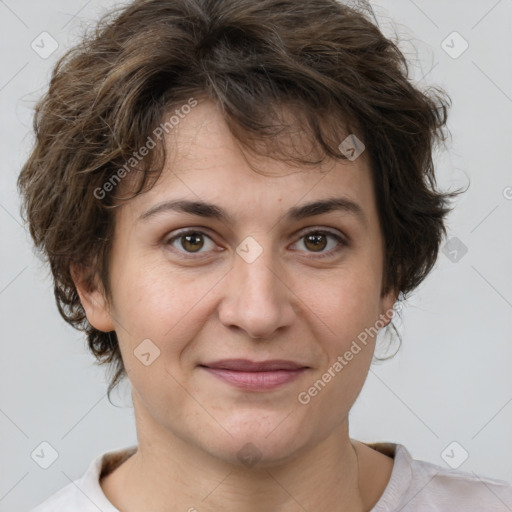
(233, 196)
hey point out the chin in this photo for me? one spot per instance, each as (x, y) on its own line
(257, 446)
(255, 453)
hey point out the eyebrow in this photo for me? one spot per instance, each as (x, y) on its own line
(212, 211)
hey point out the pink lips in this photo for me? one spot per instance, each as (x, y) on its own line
(251, 375)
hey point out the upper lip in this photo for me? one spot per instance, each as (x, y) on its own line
(254, 366)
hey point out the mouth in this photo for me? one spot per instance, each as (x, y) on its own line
(255, 376)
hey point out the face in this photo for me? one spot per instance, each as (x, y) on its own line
(190, 288)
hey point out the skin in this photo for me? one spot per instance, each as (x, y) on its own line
(289, 303)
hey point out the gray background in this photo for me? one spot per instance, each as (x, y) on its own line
(450, 381)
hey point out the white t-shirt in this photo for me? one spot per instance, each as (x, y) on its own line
(414, 486)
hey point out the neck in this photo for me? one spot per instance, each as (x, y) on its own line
(167, 469)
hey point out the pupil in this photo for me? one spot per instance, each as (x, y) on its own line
(315, 240)
(192, 239)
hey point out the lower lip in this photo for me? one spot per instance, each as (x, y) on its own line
(256, 381)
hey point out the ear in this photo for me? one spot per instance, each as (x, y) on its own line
(93, 298)
(387, 301)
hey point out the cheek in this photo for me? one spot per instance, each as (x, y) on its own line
(149, 294)
(152, 303)
(348, 301)
(349, 312)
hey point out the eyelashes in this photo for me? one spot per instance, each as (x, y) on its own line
(194, 237)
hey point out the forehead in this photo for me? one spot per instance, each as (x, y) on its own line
(206, 163)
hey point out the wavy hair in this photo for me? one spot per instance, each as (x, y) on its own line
(326, 62)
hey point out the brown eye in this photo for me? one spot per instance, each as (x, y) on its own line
(190, 242)
(315, 242)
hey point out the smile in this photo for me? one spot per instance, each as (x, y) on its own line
(255, 380)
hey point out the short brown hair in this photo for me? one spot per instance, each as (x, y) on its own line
(326, 61)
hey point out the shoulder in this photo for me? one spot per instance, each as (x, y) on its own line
(421, 486)
(85, 494)
(452, 489)
(68, 499)
(64, 499)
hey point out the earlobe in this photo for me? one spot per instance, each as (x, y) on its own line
(93, 299)
(387, 302)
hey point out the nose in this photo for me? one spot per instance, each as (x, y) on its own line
(257, 299)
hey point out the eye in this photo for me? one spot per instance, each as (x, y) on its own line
(316, 240)
(190, 242)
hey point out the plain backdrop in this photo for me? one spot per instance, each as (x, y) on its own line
(450, 382)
